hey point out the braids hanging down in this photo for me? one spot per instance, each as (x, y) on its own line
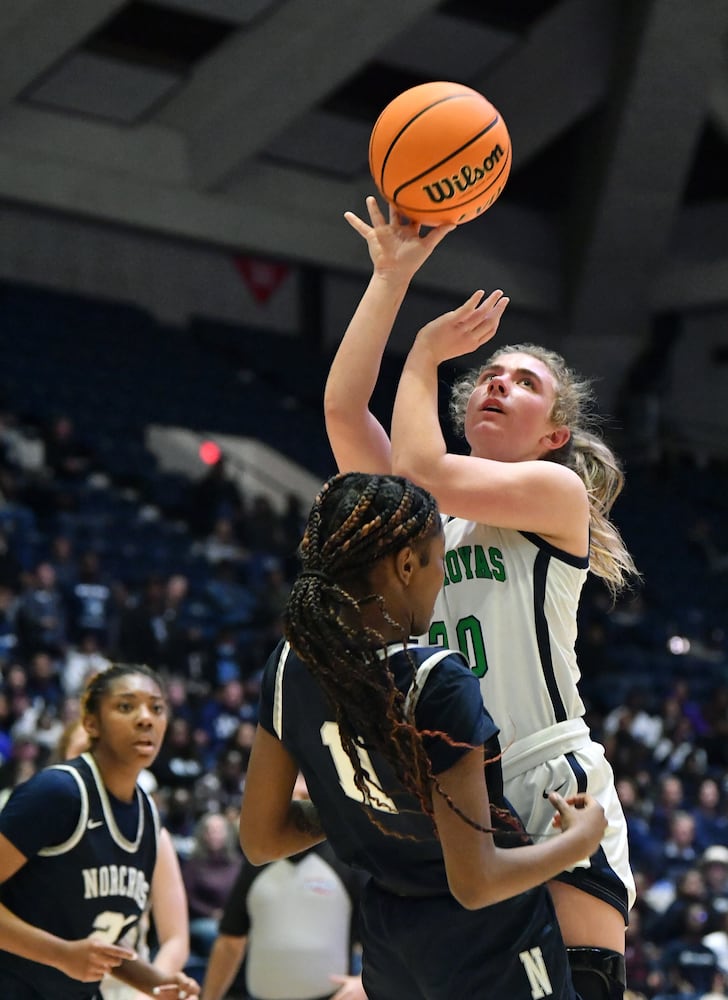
(355, 521)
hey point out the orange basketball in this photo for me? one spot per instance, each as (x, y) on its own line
(441, 153)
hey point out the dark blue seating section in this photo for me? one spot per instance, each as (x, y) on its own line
(114, 369)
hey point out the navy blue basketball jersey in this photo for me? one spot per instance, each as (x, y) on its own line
(418, 940)
(448, 700)
(89, 868)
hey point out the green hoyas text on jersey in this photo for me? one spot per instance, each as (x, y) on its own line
(116, 880)
(473, 562)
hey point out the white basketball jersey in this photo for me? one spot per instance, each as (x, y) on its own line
(509, 604)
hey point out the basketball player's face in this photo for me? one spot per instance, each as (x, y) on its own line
(132, 719)
(508, 413)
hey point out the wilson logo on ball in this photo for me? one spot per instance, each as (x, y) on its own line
(467, 177)
(440, 153)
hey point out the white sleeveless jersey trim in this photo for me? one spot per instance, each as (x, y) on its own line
(423, 672)
(510, 601)
(278, 694)
(392, 648)
(156, 817)
(130, 846)
(58, 849)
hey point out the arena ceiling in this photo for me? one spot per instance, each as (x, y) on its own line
(245, 123)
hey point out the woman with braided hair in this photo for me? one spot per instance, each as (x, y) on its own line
(528, 516)
(391, 739)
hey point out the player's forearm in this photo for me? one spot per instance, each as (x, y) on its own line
(303, 829)
(23, 939)
(354, 370)
(417, 440)
(512, 871)
(224, 962)
(173, 954)
(300, 830)
(357, 438)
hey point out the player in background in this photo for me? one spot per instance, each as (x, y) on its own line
(78, 845)
(167, 897)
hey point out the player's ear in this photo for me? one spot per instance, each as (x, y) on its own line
(404, 564)
(91, 726)
(556, 439)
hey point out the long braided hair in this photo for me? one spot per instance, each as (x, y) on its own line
(355, 521)
(585, 452)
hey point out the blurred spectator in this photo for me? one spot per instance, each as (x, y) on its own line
(717, 941)
(641, 957)
(40, 727)
(293, 524)
(9, 605)
(179, 818)
(66, 454)
(710, 815)
(716, 740)
(214, 496)
(142, 630)
(242, 741)
(702, 535)
(181, 705)
(714, 867)
(16, 682)
(20, 446)
(690, 706)
(81, 662)
(221, 790)
(222, 715)
(643, 848)
(24, 761)
(221, 544)
(271, 598)
(90, 600)
(63, 560)
(154, 629)
(264, 527)
(231, 600)
(178, 629)
(670, 799)
(44, 682)
(680, 850)
(10, 567)
(625, 751)
(18, 520)
(690, 968)
(666, 926)
(179, 763)
(636, 717)
(208, 874)
(224, 661)
(6, 743)
(41, 620)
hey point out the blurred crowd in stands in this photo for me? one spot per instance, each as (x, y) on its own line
(191, 576)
